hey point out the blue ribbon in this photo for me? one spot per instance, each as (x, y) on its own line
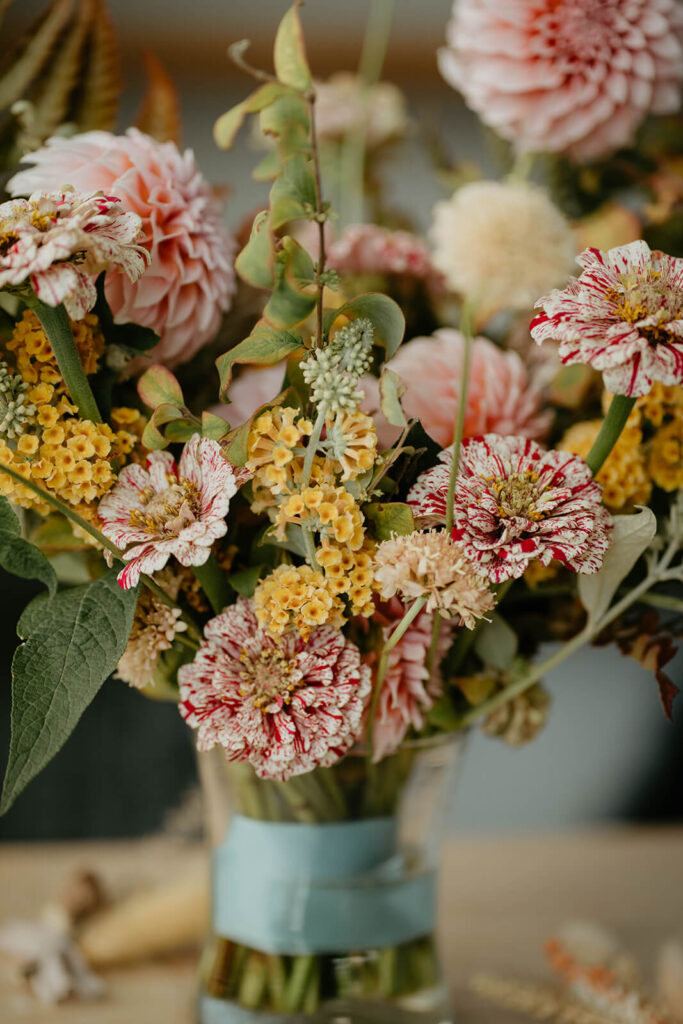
(329, 888)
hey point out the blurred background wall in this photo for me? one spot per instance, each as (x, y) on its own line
(607, 753)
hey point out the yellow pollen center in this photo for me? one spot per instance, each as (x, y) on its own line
(168, 512)
(269, 678)
(516, 495)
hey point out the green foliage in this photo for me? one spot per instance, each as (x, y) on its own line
(496, 643)
(387, 319)
(214, 426)
(389, 519)
(18, 556)
(168, 423)
(256, 262)
(289, 53)
(235, 446)
(227, 126)
(244, 581)
(293, 196)
(73, 642)
(158, 386)
(264, 347)
(390, 389)
(632, 535)
(294, 296)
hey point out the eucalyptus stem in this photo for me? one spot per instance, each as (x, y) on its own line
(409, 617)
(612, 426)
(466, 327)
(352, 156)
(55, 323)
(590, 631)
(103, 541)
(213, 582)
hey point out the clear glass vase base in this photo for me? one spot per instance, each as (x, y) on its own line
(431, 1007)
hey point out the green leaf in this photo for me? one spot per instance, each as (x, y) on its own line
(214, 426)
(387, 319)
(389, 518)
(244, 581)
(293, 298)
(158, 386)
(152, 436)
(496, 643)
(55, 534)
(293, 541)
(287, 121)
(181, 429)
(442, 715)
(631, 537)
(293, 193)
(74, 644)
(264, 347)
(9, 520)
(391, 388)
(21, 558)
(227, 126)
(289, 54)
(256, 262)
(268, 168)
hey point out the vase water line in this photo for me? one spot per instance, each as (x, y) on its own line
(323, 891)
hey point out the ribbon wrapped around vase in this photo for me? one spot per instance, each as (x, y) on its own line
(297, 889)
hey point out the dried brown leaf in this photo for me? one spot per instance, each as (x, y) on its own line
(33, 50)
(97, 101)
(652, 646)
(52, 93)
(159, 114)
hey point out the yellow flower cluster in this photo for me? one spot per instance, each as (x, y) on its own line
(663, 407)
(350, 572)
(328, 510)
(624, 477)
(351, 440)
(273, 442)
(33, 355)
(661, 403)
(296, 596)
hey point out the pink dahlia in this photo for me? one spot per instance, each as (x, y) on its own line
(515, 502)
(58, 242)
(287, 705)
(623, 315)
(500, 398)
(566, 76)
(169, 509)
(408, 691)
(370, 249)
(191, 280)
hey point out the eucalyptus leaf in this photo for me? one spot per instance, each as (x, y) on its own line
(158, 386)
(294, 296)
(289, 54)
(227, 126)
(496, 643)
(265, 346)
(74, 644)
(152, 436)
(389, 519)
(631, 537)
(256, 262)
(214, 426)
(292, 196)
(387, 319)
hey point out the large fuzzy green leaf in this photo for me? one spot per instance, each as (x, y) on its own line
(18, 556)
(73, 643)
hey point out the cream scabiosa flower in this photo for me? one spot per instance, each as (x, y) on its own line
(515, 502)
(168, 509)
(286, 705)
(58, 242)
(566, 76)
(623, 315)
(191, 281)
(501, 244)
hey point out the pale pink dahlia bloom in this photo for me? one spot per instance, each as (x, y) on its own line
(191, 280)
(408, 692)
(343, 104)
(501, 398)
(566, 76)
(371, 249)
(516, 502)
(286, 705)
(58, 242)
(623, 315)
(169, 509)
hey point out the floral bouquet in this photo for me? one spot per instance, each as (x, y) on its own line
(342, 551)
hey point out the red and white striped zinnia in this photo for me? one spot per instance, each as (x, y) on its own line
(516, 502)
(169, 509)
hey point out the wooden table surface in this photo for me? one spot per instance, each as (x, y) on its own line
(500, 899)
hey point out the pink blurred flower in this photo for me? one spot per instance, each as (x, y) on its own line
(191, 280)
(370, 249)
(566, 76)
(408, 692)
(501, 398)
(253, 388)
(515, 502)
(169, 509)
(623, 315)
(58, 242)
(343, 104)
(287, 705)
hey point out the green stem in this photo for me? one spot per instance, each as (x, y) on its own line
(466, 320)
(408, 618)
(573, 645)
(57, 327)
(612, 426)
(312, 446)
(321, 217)
(69, 513)
(213, 582)
(352, 155)
(436, 630)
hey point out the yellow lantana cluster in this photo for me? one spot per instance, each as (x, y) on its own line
(351, 440)
(296, 596)
(330, 511)
(350, 572)
(32, 352)
(624, 477)
(275, 439)
(663, 407)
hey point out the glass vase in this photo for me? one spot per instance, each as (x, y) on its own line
(323, 890)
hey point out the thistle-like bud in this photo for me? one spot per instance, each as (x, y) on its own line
(16, 413)
(333, 372)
